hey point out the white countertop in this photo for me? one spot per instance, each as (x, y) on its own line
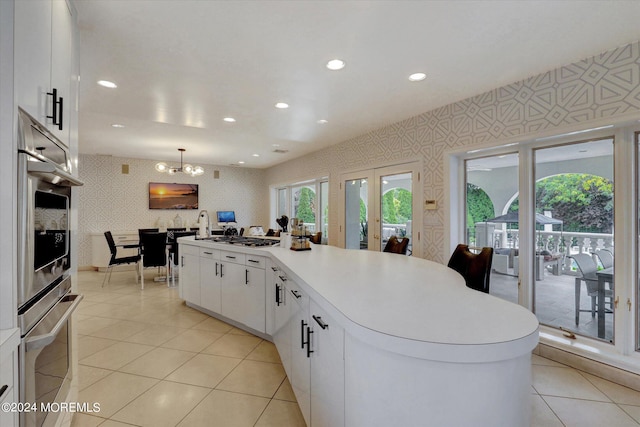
(418, 307)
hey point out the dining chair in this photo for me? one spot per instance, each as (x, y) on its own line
(147, 230)
(397, 246)
(173, 252)
(153, 250)
(474, 267)
(587, 268)
(115, 260)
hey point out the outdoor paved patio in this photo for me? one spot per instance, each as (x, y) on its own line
(554, 303)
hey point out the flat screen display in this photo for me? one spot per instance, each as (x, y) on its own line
(226, 216)
(173, 196)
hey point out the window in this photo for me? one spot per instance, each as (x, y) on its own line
(308, 201)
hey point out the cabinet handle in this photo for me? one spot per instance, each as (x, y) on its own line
(60, 114)
(320, 322)
(246, 276)
(208, 253)
(284, 279)
(277, 294)
(230, 257)
(296, 294)
(216, 269)
(309, 332)
(221, 265)
(274, 268)
(303, 325)
(181, 261)
(254, 261)
(3, 390)
(56, 108)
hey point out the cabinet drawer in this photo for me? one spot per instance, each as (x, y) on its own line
(234, 257)
(190, 250)
(256, 261)
(209, 253)
(295, 293)
(7, 373)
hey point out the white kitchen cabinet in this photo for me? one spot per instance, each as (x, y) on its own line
(243, 289)
(210, 281)
(301, 339)
(282, 320)
(327, 369)
(43, 54)
(190, 274)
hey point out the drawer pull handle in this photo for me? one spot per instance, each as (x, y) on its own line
(3, 390)
(320, 322)
(208, 253)
(254, 261)
(296, 294)
(274, 268)
(230, 257)
(284, 279)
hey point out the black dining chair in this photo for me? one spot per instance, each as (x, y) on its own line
(397, 246)
(173, 254)
(153, 252)
(115, 260)
(474, 267)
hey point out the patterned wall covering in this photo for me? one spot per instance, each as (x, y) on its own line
(110, 200)
(604, 86)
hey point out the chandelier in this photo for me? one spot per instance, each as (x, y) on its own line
(184, 168)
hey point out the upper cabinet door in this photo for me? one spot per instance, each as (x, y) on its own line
(43, 59)
(32, 56)
(61, 72)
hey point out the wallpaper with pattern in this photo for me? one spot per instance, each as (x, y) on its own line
(111, 200)
(604, 86)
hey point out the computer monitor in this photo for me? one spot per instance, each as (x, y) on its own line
(226, 218)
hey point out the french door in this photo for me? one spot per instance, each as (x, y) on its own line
(380, 203)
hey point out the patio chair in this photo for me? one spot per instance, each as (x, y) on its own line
(397, 246)
(587, 267)
(474, 267)
(605, 257)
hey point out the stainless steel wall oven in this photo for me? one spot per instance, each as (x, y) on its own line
(45, 304)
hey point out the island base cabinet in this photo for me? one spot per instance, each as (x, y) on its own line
(189, 280)
(243, 294)
(327, 370)
(301, 349)
(210, 280)
(384, 388)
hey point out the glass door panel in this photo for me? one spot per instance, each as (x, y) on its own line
(573, 260)
(395, 208)
(357, 213)
(492, 218)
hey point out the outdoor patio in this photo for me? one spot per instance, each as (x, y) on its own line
(554, 302)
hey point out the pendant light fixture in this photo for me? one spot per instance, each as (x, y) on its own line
(184, 168)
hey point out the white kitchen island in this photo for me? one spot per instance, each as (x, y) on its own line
(374, 339)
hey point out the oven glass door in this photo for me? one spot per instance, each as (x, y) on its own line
(45, 359)
(50, 228)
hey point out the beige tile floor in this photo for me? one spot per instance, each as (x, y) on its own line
(150, 360)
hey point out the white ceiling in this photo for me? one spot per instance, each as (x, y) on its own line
(182, 66)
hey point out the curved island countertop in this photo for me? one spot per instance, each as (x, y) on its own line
(407, 305)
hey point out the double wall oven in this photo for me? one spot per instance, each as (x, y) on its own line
(45, 303)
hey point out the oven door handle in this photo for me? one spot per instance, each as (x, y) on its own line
(39, 341)
(52, 174)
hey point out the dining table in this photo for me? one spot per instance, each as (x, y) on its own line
(604, 276)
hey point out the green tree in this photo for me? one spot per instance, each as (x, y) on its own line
(479, 205)
(405, 208)
(389, 208)
(305, 206)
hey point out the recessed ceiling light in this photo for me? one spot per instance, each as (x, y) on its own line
(256, 155)
(336, 64)
(417, 77)
(107, 83)
(282, 105)
(229, 119)
(322, 122)
(241, 162)
(117, 125)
